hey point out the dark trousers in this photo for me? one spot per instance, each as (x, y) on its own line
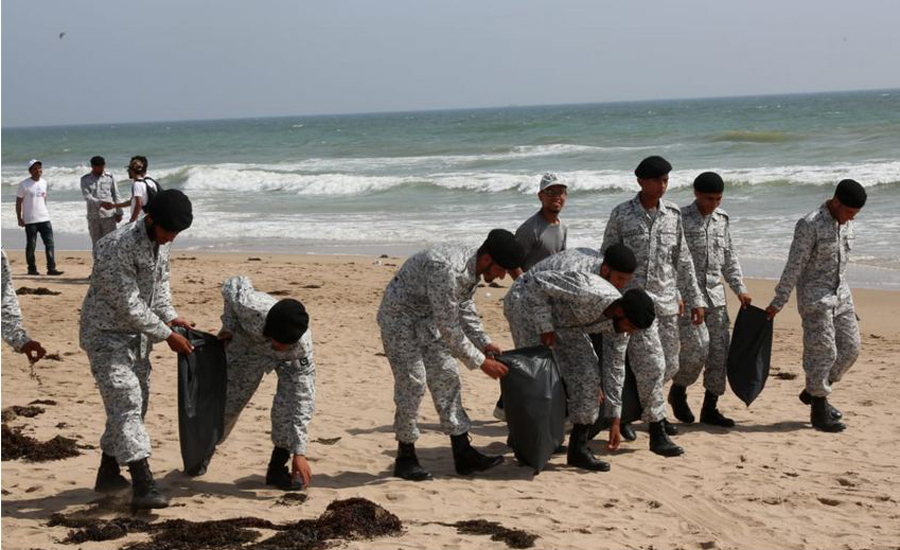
(31, 233)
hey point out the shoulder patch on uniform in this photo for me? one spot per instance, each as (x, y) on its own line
(670, 205)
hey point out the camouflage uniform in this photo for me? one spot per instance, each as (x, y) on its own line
(817, 266)
(427, 317)
(709, 241)
(125, 311)
(13, 332)
(663, 261)
(571, 304)
(250, 356)
(97, 189)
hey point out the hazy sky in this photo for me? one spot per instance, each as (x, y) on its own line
(123, 60)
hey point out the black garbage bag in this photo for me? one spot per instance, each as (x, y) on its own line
(535, 404)
(631, 401)
(750, 353)
(202, 385)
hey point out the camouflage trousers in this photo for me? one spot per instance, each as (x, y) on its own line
(705, 348)
(121, 367)
(294, 395)
(576, 359)
(830, 347)
(419, 358)
(653, 356)
(99, 227)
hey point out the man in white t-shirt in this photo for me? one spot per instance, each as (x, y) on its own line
(33, 215)
(137, 171)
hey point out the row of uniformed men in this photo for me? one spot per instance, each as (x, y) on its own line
(428, 320)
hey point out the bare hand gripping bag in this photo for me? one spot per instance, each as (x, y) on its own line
(750, 353)
(202, 383)
(535, 404)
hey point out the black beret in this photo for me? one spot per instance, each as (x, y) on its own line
(171, 209)
(638, 308)
(620, 258)
(652, 167)
(851, 194)
(709, 182)
(286, 321)
(98, 161)
(504, 249)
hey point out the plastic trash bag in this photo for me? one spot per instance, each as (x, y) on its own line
(202, 381)
(750, 353)
(535, 404)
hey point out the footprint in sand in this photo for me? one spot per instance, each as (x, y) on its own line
(829, 501)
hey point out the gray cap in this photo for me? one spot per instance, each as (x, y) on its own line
(550, 179)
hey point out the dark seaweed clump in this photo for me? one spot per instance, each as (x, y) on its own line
(514, 538)
(355, 518)
(17, 445)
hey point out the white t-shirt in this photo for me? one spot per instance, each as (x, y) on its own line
(139, 189)
(34, 200)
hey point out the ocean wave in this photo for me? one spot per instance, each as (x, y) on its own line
(746, 136)
(287, 178)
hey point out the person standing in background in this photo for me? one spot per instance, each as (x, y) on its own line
(143, 188)
(544, 234)
(33, 215)
(101, 196)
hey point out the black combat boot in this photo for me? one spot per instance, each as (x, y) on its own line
(710, 414)
(821, 418)
(660, 442)
(627, 432)
(144, 494)
(669, 427)
(678, 400)
(109, 477)
(579, 454)
(467, 460)
(278, 474)
(806, 399)
(601, 424)
(407, 464)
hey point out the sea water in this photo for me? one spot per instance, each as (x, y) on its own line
(395, 182)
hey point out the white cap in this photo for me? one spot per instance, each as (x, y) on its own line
(550, 179)
(32, 162)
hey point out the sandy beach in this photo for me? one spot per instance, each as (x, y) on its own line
(771, 482)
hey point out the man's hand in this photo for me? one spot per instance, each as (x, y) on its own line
(179, 344)
(107, 205)
(491, 349)
(697, 315)
(300, 469)
(771, 312)
(548, 339)
(181, 322)
(21, 222)
(225, 337)
(745, 299)
(515, 273)
(680, 308)
(493, 368)
(34, 351)
(615, 435)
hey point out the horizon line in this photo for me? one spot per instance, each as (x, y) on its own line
(444, 109)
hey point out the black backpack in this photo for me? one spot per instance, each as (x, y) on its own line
(151, 192)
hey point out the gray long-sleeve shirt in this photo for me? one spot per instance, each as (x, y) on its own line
(817, 263)
(438, 284)
(709, 240)
(244, 316)
(13, 331)
(98, 189)
(663, 258)
(129, 292)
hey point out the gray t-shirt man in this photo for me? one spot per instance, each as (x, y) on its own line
(538, 235)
